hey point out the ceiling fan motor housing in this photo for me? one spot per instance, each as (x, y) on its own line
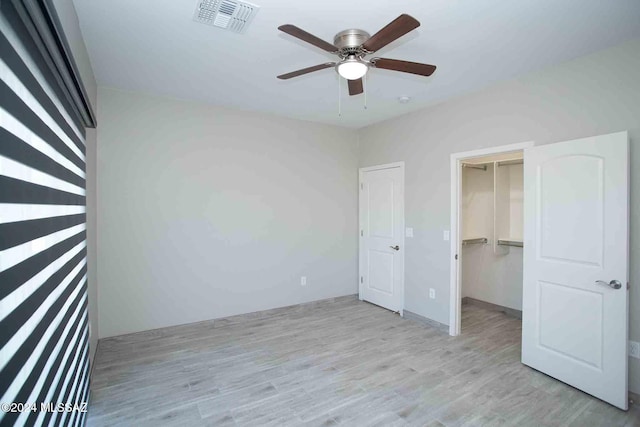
(349, 42)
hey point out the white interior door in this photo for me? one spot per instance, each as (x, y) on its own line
(576, 231)
(382, 235)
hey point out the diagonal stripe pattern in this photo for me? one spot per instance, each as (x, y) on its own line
(44, 331)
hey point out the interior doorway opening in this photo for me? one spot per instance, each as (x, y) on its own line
(486, 232)
(491, 240)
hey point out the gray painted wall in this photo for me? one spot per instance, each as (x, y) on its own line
(208, 212)
(69, 20)
(592, 95)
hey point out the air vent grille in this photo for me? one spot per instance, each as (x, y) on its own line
(228, 15)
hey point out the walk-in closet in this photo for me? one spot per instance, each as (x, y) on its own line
(491, 231)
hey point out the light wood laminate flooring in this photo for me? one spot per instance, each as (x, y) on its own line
(336, 362)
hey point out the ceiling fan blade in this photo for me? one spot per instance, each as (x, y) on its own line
(306, 70)
(396, 29)
(404, 66)
(355, 87)
(301, 34)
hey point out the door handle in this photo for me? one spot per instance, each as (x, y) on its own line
(614, 284)
(395, 248)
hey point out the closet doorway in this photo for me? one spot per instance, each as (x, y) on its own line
(491, 236)
(486, 209)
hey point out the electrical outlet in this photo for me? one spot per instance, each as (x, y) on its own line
(432, 293)
(634, 349)
(303, 281)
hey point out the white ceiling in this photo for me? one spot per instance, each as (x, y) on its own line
(154, 46)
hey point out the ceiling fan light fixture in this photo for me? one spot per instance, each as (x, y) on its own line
(352, 68)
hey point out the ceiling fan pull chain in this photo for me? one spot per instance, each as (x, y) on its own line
(339, 99)
(365, 82)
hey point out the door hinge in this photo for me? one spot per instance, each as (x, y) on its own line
(361, 233)
(361, 279)
(456, 256)
(362, 186)
(628, 287)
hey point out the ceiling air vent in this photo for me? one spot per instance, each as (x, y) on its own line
(229, 15)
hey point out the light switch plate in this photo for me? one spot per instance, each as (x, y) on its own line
(432, 293)
(634, 349)
(445, 235)
(408, 232)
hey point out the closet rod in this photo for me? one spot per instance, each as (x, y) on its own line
(472, 241)
(516, 243)
(511, 162)
(472, 166)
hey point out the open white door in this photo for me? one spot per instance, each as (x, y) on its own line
(382, 235)
(576, 231)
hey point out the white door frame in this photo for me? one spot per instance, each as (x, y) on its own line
(455, 300)
(360, 228)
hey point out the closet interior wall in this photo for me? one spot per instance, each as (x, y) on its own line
(491, 203)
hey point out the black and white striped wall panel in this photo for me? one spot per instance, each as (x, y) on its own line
(44, 332)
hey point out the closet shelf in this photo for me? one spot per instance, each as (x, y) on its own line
(506, 242)
(474, 241)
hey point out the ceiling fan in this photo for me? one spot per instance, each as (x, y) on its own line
(352, 45)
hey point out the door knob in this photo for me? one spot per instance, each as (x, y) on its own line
(395, 248)
(615, 284)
